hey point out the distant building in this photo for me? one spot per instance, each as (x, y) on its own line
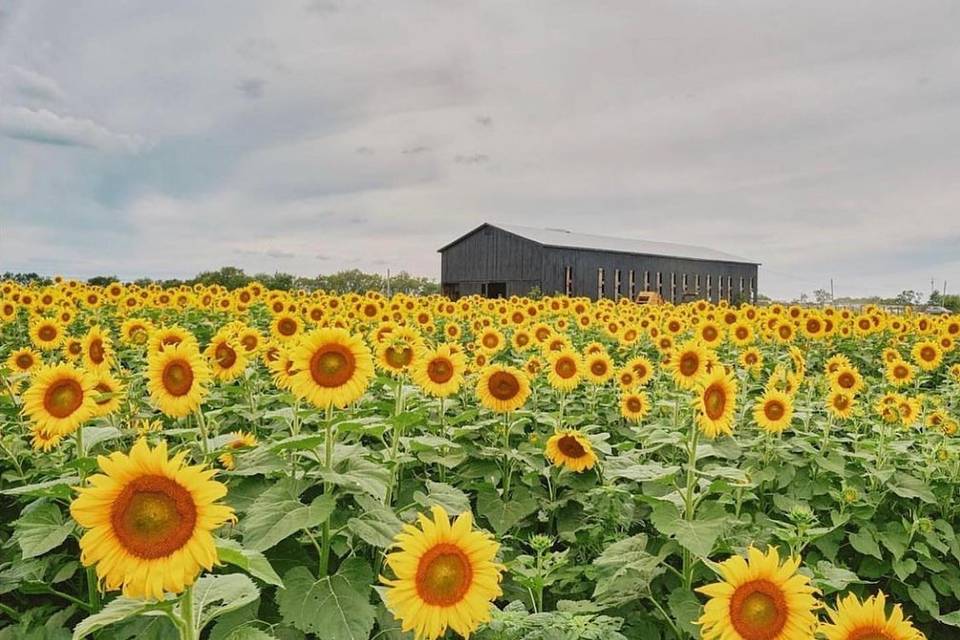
(500, 260)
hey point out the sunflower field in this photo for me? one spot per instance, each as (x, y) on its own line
(196, 463)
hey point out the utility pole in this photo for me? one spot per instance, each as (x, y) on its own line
(831, 290)
(388, 283)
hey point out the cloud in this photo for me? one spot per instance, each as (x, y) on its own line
(473, 158)
(412, 151)
(35, 86)
(45, 127)
(251, 87)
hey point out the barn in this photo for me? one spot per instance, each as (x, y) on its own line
(501, 260)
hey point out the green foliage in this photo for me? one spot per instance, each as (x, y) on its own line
(335, 607)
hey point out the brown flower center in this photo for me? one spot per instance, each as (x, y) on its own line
(153, 517)
(63, 397)
(177, 377)
(332, 365)
(444, 575)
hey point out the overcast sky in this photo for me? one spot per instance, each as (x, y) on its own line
(164, 138)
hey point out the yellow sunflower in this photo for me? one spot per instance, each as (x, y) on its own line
(238, 440)
(598, 367)
(226, 357)
(759, 599)
(285, 326)
(332, 367)
(150, 520)
(688, 363)
(642, 368)
(634, 406)
(46, 334)
(502, 389)
(446, 576)
(927, 354)
(570, 449)
(59, 399)
(773, 411)
(716, 401)
(136, 331)
(847, 379)
(44, 441)
(564, 370)
(868, 620)
(97, 351)
(397, 351)
(23, 360)
(899, 372)
(439, 372)
(108, 394)
(177, 379)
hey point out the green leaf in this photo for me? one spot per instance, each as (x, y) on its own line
(904, 568)
(830, 578)
(628, 468)
(450, 498)
(41, 528)
(59, 488)
(376, 525)
(272, 518)
(116, 610)
(336, 607)
(625, 570)
(697, 536)
(864, 542)
(248, 633)
(253, 562)
(216, 595)
(925, 597)
(906, 486)
(501, 515)
(686, 610)
(359, 474)
(92, 436)
(952, 618)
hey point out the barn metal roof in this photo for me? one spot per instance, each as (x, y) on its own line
(567, 239)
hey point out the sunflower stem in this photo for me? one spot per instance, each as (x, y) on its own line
(507, 463)
(93, 590)
(442, 470)
(327, 488)
(187, 630)
(690, 505)
(202, 433)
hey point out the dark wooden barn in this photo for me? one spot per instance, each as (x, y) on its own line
(503, 260)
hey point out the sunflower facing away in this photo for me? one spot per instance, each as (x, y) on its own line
(177, 379)
(333, 368)
(868, 620)
(59, 399)
(446, 576)
(149, 521)
(716, 403)
(759, 599)
(502, 389)
(572, 450)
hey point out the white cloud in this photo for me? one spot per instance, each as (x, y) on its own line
(46, 127)
(35, 86)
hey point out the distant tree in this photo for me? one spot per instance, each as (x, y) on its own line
(821, 296)
(908, 297)
(935, 298)
(228, 277)
(27, 278)
(403, 282)
(280, 281)
(951, 302)
(352, 280)
(101, 281)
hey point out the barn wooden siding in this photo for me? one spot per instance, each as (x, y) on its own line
(490, 254)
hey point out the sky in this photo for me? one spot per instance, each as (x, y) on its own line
(160, 139)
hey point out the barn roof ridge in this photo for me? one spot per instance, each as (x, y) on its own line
(563, 238)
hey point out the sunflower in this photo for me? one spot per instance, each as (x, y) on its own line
(741, 334)
(249, 340)
(570, 449)
(439, 372)
(598, 367)
(23, 360)
(502, 389)
(773, 411)
(564, 369)
(46, 334)
(642, 368)
(226, 357)
(490, 341)
(899, 373)
(177, 379)
(60, 398)
(135, 331)
(759, 599)
(927, 354)
(97, 351)
(164, 337)
(716, 401)
(397, 352)
(446, 576)
(751, 359)
(108, 394)
(72, 348)
(238, 440)
(332, 367)
(840, 404)
(634, 406)
(285, 326)
(856, 620)
(848, 379)
(150, 520)
(44, 441)
(687, 364)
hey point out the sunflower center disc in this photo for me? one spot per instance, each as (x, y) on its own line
(774, 410)
(490, 341)
(63, 398)
(287, 327)
(96, 351)
(24, 361)
(758, 610)
(399, 357)
(177, 378)
(869, 633)
(566, 368)
(634, 405)
(714, 400)
(331, 366)
(225, 355)
(598, 368)
(153, 516)
(689, 363)
(444, 575)
(439, 371)
(503, 386)
(571, 447)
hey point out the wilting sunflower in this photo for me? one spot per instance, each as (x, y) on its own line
(687, 364)
(716, 401)
(226, 357)
(107, 394)
(564, 369)
(177, 379)
(97, 351)
(332, 367)
(634, 406)
(238, 440)
(439, 372)
(502, 389)
(773, 411)
(868, 620)
(759, 599)
(46, 334)
(23, 360)
(446, 576)
(570, 449)
(150, 520)
(59, 399)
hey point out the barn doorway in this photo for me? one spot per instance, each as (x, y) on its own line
(451, 291)
(495, 290)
